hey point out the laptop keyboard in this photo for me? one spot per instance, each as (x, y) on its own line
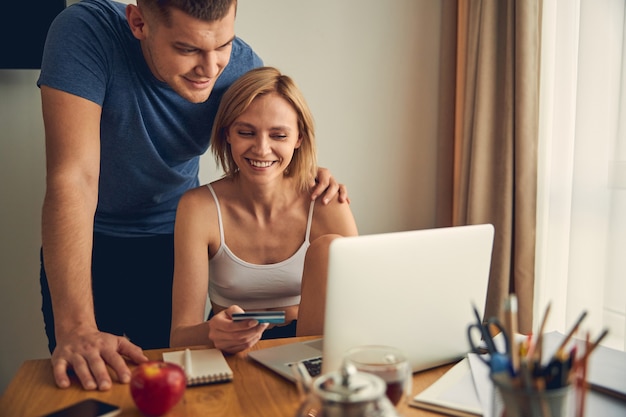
(313, 365)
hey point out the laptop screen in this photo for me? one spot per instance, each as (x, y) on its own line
(413, 290)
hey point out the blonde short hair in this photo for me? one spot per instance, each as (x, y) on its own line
(237, 99)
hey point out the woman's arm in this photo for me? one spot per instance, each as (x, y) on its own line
(196, 231)
(333, 218)
(191, 269)
(331, 221)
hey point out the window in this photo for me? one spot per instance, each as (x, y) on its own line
(581, 230)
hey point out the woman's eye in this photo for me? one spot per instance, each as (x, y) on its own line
(245, 133)
(279, 137)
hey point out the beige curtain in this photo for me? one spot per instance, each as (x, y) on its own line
(495, 139)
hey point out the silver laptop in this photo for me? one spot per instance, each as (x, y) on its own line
(413, 290)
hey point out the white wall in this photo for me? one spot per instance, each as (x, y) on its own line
(22, 173)
(370, 71)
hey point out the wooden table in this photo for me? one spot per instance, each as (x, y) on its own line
(254, 391)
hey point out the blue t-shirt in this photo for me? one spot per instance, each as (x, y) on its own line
(150, 137)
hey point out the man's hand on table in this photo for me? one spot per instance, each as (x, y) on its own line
(88, 353)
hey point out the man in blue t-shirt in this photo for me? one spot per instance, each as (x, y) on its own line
(129, 93)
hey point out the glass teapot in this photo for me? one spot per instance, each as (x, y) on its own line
(346, 393)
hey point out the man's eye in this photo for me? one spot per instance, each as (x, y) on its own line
(225, 46)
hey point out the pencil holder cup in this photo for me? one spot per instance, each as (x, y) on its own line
(519, 402)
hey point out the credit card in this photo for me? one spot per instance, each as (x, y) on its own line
(276, 317)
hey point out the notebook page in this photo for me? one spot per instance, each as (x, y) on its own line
(207, 365)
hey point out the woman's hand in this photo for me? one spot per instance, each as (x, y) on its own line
(232, 337)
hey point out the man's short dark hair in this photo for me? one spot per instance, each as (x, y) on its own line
(207, 10)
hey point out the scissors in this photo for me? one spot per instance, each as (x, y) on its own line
(497, 361)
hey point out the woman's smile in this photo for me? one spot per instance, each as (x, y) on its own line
(260, 164)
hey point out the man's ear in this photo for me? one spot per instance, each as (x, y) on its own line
(136, 21)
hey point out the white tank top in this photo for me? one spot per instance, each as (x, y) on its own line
(251, 286)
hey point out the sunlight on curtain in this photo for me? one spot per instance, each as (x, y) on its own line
(581, 226)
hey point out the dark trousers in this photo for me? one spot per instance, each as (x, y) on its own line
(132, 289)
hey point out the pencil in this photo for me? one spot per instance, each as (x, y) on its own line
(187, 358)
(597, 341)
(581, 383)
(510, 313)
(589, 349)
(572, 331)
(536, 349)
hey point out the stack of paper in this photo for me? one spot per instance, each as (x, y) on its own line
(466, 389)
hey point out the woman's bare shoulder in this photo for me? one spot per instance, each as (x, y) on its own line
(333, 218)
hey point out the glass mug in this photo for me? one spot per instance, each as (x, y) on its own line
(386, 362)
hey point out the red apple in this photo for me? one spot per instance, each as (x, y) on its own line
(156, 387)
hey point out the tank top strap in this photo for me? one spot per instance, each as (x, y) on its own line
(219, 214)
(309, 221)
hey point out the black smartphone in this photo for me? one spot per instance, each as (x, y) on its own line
(87, 408)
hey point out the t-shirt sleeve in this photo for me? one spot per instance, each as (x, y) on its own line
(73, 59)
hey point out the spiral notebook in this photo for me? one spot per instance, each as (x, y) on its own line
(203, 366)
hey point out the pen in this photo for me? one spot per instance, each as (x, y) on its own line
(483, 329)
(558, 368)
(597, 342)
(510, 313)
(536, 349)
(581, 380)
(571, 332)
(187, 358)
(524, 372)
(590, 348)
(557, 371)
(524, 347)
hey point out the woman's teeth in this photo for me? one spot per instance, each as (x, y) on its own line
(261, 164)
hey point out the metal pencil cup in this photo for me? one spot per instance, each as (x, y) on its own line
(520, 402)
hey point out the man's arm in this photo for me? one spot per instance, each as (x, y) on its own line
(72, 128)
